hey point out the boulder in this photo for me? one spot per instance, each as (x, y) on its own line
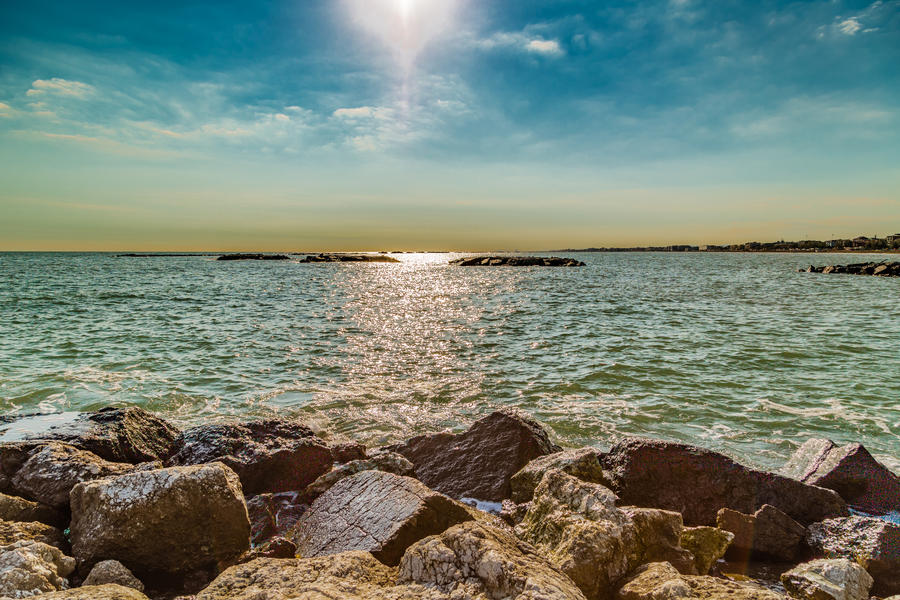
(698, 482)
(479, 462)
(828, 579)
(375, 511)
(270, 455)
(109, 591)
(849, 470)
(707, 544)
(766, 534)
(17, 531)
(344, 452)
(661, 581)
(13, 508)
(583, 463)
(389, 462)
(112, 571)
(29, 568)
(873, 543)
(162, 524)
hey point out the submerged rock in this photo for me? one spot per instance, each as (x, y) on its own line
(479, 462)
(269, 455)
(374, 511)
(768, 533)
(661, 581)
(13, 531)
(828, 579)
(849, 470)
(516, 261)
(112, 571)
(707, 544)
(583, 463)
(29, 568)
(165, 523)
(698, 482)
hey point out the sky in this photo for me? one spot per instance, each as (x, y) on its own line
(445, 124)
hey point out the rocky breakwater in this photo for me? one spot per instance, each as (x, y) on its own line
(516, 261)
(880, 269)
(246, 256)
(342, 258)
(271, 510)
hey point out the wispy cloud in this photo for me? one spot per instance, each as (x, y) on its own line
(849, 26)
(59, 87)
(520, 41)
(544, 47)
(363, 112)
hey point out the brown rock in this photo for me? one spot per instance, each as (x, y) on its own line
(374, 511)
(698, 482)
(479, 462)
(16, 531)
(13, 508)
(277, 547)
(347, 451)
(112, 571)
(274, 514)
(707, 544)
(271, 455)
(661, 581)
(583, 463)
(828, 579)
(766, 534)
(109, 591)
(28, 568)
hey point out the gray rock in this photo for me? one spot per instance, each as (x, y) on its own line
(583, 463)
(828, 579)
(766, 534)
(29, 568)
(112, 571)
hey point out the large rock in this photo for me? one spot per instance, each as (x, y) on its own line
(389, 462)
(850, 471)
(374, 511)
(479, 462)
(29, 568)
(766, 534)
(828, 579)
(873, 543)
(698, 482)
(17, 531)
(165, 523)
(707, 544)
(112, 571)
(13, 508)
(583, 463)
(96, 592)
(661, 581)
(577, 527)
(270, 455)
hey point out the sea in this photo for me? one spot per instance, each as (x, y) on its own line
(736, 352)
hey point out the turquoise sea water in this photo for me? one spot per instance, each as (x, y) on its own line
(736, 352)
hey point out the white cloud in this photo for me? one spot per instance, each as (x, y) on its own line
(5, 110)
(520, 41)
(544, 47)
(59, 87)
(363, 112)
(849, 26)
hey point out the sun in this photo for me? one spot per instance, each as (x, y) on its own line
(404, 9)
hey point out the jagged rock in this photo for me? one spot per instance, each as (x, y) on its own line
(767, 533)
(873, 543)
(270, 455)
(828, 579)
(374, 511)
(850, 471)
(130, 435)
(112, 571)
(389, 462)
(277, 547)
(29, 568)
(345, 452)
(479, 462)
(16, 531)
(698, 482)
(578, 528)
(707, 544)
(164, 523)
(583, 463)
(110, 591)
(50, 470)
(13, 508)
(661, 581)
(512, 513)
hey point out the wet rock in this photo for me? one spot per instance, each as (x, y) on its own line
(270, 455)
(849, 470)
(583, 463)
(29, 568)
(161, 524)
(112, 571)
(516, 261)
(13, 508)
(873, 543)
(698, 482)
(707, 544)
(274, 514)
(479, 462)
(345, 452)
(828, 579)
(109, 591)
(17, 531)
(251, 256)
(354, 258)
(661, 581)
(389, 462)
(768, 533)
(374, 511)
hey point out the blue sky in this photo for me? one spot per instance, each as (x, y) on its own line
(354, 124)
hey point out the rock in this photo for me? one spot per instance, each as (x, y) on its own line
(13, 508)
(577, 527)
(512, 513)
(828, 579)
(479, 462)
(245, 256)
(109, 591)
(345, 452)
(849, 470)
(271, 455)
(707, 544)
(698, 482)
(374, 511)
(873, 543)
(274, 514)
(661, 581)
(29, 568)
(112, 571)
(51, 470)
(367, 258)
(130, 435)
(583, 463)
(389, 462)
(277, 547)
(516, 261)
(163, 524)
(768, 533)
(16, 531)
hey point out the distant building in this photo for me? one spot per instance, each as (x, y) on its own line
(891, 239)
